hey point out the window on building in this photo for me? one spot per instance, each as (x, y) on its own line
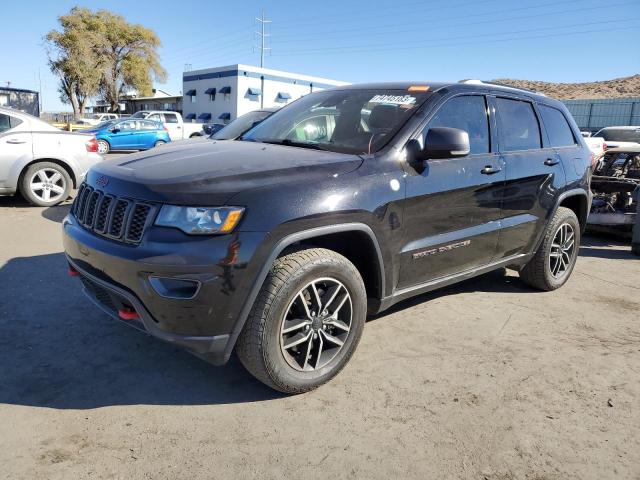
(468, 113)
(558, 129)
(518, 127)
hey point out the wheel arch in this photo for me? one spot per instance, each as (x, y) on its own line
(319, 237)
(576, 200)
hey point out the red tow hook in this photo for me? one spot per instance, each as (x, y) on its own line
(72, 272)
(128, 313)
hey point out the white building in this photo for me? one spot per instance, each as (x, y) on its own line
(218, 95)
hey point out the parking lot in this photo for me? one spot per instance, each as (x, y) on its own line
(487, 379)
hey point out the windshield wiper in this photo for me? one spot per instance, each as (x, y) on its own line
(292, 143)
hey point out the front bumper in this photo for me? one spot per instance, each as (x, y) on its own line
(116, 274)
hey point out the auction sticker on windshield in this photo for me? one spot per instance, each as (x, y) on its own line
(394, 99)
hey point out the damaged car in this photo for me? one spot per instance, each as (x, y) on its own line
(615, 185)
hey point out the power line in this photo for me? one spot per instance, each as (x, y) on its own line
(448, 43)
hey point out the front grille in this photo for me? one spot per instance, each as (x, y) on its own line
(117, 218)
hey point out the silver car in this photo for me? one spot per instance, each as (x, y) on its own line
(40, 161)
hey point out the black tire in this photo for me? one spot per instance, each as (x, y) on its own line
(260, 347)
(103, 147)
(194, 135)
(159, 142)
(538, 272)
(59, 186)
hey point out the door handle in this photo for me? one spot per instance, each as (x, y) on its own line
(550, 162)
(490, 170)
(16, 142)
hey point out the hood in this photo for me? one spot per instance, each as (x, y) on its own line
(209, 173)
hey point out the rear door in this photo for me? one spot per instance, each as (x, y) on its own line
(534, 174)
(15, 146)
(148, 133)
(173, 125)
(452, 209)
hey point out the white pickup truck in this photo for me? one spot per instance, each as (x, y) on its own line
(178, 129)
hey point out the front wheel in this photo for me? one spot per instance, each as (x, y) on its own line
(306, 322)
(551, 266)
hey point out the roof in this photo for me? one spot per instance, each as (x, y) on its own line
(435, 86)
(627, 149)
(621, 127)
(12, 89)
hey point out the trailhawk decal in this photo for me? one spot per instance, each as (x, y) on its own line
(446, 248)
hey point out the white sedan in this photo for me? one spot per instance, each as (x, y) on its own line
(40, 161)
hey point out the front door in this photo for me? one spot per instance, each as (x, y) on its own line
(15, 146)
(126, 135)
(534, 175)
(453, 208)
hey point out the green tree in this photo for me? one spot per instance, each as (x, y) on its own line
(130, 57)
(72, 57)
(101, 53)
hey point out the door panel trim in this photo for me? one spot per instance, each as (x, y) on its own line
(453, 236)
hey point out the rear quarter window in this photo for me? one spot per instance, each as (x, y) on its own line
(518, 127)
(558, 129)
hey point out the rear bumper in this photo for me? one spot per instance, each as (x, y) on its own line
(110, 298)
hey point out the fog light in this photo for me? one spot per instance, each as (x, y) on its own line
(174, 287)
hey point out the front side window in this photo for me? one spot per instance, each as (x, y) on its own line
(558, 129)
(468, 113)
(356, 121)
(518, 127)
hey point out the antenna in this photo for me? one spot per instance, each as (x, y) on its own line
(263, 36)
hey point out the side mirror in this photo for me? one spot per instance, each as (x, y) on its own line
(114, 130)
(445, 142)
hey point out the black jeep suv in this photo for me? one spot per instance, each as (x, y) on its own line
(341, 204)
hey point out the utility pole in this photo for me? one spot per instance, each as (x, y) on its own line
(263, 36)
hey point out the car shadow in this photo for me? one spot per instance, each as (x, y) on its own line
(599, 246)
(58, 351)
(54, 214)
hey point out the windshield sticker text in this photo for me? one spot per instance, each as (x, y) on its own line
(394, 99)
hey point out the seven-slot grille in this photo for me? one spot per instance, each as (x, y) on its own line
(118, 218)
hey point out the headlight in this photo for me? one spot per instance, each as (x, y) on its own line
(200, 220)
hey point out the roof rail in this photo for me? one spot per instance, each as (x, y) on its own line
(473, 81)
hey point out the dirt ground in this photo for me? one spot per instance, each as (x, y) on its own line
(485, 380)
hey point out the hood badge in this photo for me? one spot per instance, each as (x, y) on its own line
(102, 181)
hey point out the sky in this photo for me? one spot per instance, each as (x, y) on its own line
(354, 41)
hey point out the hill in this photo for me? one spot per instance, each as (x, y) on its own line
(616, 88)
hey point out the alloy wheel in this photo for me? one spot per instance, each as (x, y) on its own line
(562, 250)
(103, 147)
(316, 324)
(47, 185)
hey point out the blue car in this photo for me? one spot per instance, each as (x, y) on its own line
(129, 134)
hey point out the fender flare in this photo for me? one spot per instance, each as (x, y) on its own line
(574, 192)
(277, 249)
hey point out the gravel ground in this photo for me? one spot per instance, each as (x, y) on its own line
(486, 380)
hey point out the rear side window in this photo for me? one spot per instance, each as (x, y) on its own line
(150, 126)
(8, 122)
(170, 118)
(558, 129)
(468, 113)
(518, 127)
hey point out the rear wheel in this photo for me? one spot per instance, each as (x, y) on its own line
(159, 142)
(103, 147)
(306, 322)
(45, 184)
(553, 263)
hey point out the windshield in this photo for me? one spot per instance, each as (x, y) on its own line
(346, 121)
(103, 125)
(620, 134)
(240, 125)
(140, 114)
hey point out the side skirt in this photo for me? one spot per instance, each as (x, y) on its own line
(376, 306)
